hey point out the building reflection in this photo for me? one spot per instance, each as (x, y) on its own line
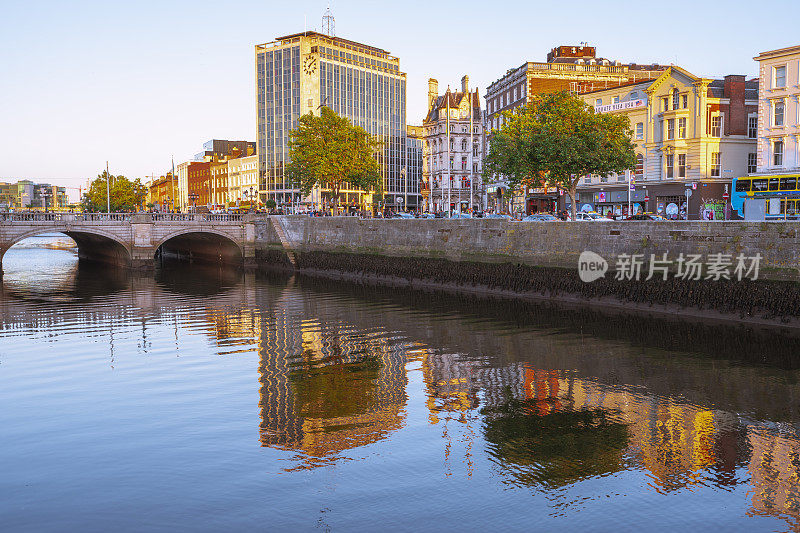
(547, 428)
(327, 387)
(332, 378)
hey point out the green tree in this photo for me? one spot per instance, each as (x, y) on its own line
(126, 195)
(558, 138)
(329, 151)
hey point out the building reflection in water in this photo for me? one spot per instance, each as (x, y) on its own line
(327, 386)
(332, 379)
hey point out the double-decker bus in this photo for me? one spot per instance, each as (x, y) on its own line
(777, 196)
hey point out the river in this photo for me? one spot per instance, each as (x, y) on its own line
(201, 399)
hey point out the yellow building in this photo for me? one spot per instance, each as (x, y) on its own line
(691, 137)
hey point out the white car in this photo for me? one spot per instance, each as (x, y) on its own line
(591, 217)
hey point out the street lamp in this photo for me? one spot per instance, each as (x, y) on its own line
(45, 194)
(193, 196)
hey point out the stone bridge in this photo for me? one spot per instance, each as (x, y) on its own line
(137, 240)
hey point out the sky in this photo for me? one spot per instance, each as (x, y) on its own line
(138, 83)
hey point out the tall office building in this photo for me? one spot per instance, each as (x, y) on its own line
(300, 73)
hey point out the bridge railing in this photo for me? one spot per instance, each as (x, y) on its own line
(103, 217)
(192, 217)
(119, 217)
(30, 217)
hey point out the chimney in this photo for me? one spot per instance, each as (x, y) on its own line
(465, 84)
(433, 92)
(736, 117)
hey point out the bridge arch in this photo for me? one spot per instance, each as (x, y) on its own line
(94, 244)
(200, 244)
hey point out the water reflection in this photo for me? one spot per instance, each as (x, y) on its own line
(532, 398)
(327, 387)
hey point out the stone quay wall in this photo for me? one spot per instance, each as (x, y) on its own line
(540, 244)
(539, 261)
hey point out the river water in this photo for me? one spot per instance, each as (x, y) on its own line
(200, 399)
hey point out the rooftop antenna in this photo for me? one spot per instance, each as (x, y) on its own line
(329, 23)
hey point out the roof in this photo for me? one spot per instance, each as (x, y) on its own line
(716, 89)
(338, 39)
(455, 99)
(771, 54)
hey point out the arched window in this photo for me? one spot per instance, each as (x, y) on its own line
(675, 99)
(639, 166)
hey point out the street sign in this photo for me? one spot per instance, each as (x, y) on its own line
(647, 198)
(694, 186)
(726, 196)
(399, 199)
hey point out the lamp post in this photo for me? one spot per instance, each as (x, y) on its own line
(45, 194)
(193, 196)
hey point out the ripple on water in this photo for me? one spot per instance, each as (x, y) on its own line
(216, 399)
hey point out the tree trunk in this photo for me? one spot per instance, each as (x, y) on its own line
(573, 193)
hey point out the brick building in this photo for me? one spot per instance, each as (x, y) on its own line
(568, 68)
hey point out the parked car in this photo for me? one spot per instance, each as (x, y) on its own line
(402, 214)
(460, 215)
(540, 217)
(591, 217)
(644, 216)
(498, 216)
(426, 215)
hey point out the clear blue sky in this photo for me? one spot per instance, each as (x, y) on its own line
(137, 82)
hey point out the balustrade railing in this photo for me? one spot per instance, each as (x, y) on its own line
(119, 217)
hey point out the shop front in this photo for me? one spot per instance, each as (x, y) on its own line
(689, 200)
(611, 202)
(541, 201)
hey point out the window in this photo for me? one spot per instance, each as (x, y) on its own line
(640, 130)
(774, 184)
(682, 128)
(670, 165)
(639, 165)
(665, 104)
(752, 160)
(777, 153)
(760, 185)
(671, 129)
(743, 185)
(615, 100)
(780, 76)
(684, 101)
(681, 165)
(788, 184)
(716, 164)
(777, 113)
(716, 126)
(463, 163)
(634, 95)
(675, 98)
(752, 127)
(598, 102)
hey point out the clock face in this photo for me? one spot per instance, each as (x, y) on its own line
(310, 65)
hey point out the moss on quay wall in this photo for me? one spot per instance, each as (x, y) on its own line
(769, 300)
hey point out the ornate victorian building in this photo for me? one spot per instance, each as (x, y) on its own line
(453, 149)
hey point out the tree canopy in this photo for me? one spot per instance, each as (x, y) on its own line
(126, 195)
(557, 139)
(329, 151)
